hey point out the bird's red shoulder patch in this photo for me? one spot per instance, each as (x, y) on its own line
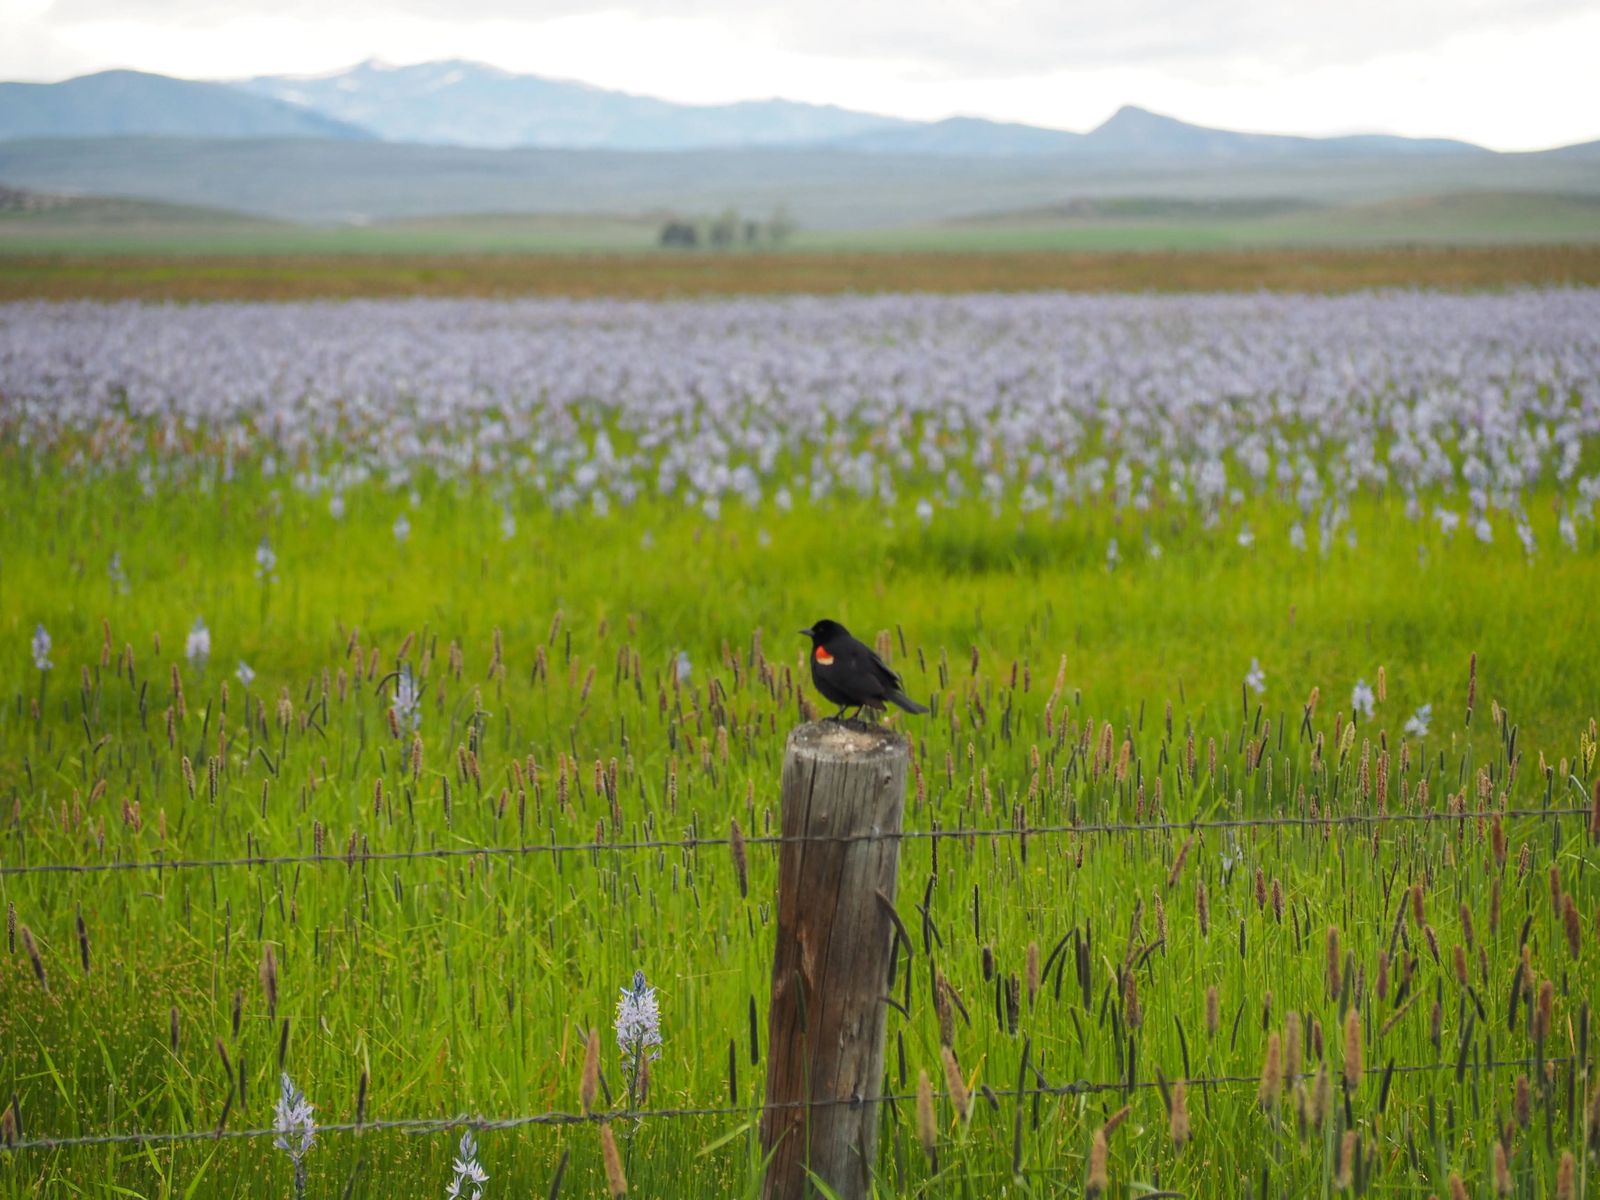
(824, 657)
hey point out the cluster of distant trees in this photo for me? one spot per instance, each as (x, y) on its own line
(727, 230)
(17, 200)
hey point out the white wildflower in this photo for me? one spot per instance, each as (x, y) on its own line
(1256, 680)
(469, 1173)
(1361, 698)
(1417, 723)
(197, 646)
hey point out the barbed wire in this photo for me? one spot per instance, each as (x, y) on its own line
(695, 842)
(426, 1125)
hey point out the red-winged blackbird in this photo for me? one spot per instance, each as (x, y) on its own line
(850, 674)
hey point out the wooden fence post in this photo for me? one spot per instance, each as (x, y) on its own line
(830, 969)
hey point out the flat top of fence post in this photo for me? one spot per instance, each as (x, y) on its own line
(846, 741)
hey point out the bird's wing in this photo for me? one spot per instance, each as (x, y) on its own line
(881, 669)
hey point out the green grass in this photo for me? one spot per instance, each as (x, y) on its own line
(100, 225)
(464, 985)
(114, 226)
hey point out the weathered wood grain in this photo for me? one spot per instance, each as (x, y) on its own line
(831, 964)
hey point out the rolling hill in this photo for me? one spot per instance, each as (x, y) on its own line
(308, 179)
(124, 103)
(457, 103)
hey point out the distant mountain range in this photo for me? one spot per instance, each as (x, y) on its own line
(122, 103)
(457, 103)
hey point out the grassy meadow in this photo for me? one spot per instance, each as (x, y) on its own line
(1076, 219)
(1392, 1009)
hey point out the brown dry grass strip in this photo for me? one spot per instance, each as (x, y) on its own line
(660, 275)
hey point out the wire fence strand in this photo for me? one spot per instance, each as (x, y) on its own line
(428, 1125)
(695, 842)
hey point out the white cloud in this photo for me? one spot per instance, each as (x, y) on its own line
(1510, 73)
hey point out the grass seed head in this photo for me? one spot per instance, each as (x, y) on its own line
(1542, 1011)
(269, 979)
(83, 944)
(1213, 1015)
(616, 1181)
(34, 958)
(1352, 1050)
(1565, 1186)
(960, 1099)
(1321, 1096)
(927, 1129)
(1502, 1172)
(1098, 1181)
(1178, 1118)
(740, 865)
(1270, 1090)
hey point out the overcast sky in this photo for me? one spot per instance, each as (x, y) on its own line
(1512, 74)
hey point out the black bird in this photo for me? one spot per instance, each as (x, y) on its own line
(850, 675)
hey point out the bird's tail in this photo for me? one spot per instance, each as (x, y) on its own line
(905, 702)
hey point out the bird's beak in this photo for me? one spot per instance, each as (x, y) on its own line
(807, 633)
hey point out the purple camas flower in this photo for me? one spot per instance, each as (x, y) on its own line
(1256, 680)
(1361, 699)
(266, 562)
(41, 649)
(296, 1129)
(407, 703)
(638, 1024)
(469, 1173)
